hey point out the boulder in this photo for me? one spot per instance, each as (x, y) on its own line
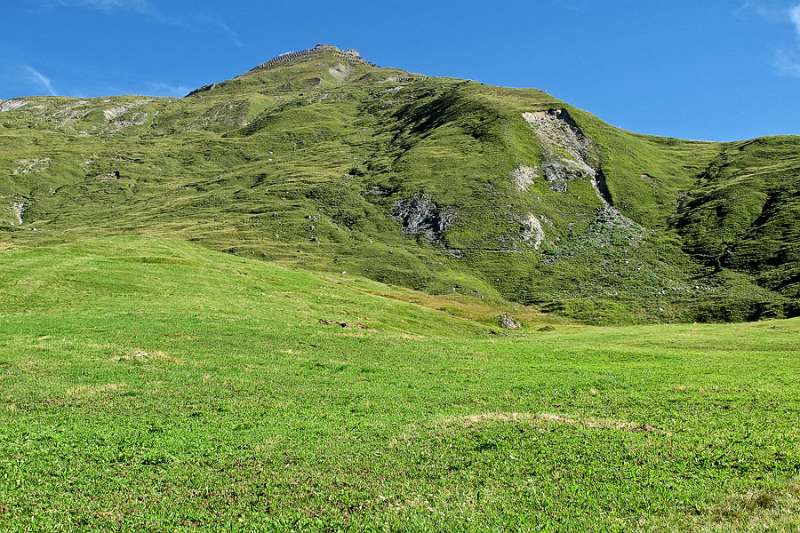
(509, 322)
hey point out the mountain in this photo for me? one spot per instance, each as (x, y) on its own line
(321, 160)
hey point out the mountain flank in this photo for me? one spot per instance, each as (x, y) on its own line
(322, 160)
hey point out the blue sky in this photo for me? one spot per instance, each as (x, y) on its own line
(703, 69)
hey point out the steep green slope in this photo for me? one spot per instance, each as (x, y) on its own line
(150, 384)
(325, 161)
(743, 213)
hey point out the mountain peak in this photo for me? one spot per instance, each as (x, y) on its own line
(351, 55)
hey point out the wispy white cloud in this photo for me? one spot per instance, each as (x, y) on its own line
(772, 12)
(794, 16)
(146, 8)
(140, 7)
(135, 5)
(787, 62)
(231, 33)
(205, 20)
(762, 9)
(40, 79)
(786, 57)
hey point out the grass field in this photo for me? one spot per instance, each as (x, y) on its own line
(151, 384)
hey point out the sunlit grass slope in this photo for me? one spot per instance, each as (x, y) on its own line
(151, 384)
(309, 162)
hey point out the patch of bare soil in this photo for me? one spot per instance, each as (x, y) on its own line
(341, 71)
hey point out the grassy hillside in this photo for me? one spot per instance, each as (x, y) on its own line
(743, 214)
(150, 384)
(327, 162)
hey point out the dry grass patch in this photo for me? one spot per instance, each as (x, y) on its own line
(141, 356)
(549, 418)
(88, 391)
(456, 305)
(756, 510)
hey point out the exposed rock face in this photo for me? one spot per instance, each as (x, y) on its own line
(73, 112)
(204, 88)
(227, 114)
(559, 173)
(109, 176)
(135, 119)
(403, 79)
(289, 57)
(341, 71)
(508, 322)
(532, 231)
(613, 219)
(419, 215)
(11, 105)
(31, 166)
(18, 210)
(115, 114)
(558, 130)
(522, 177)
(570, 154)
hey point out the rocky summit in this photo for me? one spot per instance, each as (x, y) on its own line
(323, 160)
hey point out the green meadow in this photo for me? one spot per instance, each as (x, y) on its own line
(150, 384)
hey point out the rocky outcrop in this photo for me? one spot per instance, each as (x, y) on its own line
(507, 321)
(569, 153)
(122, 117)
(532, 232)
(31, 166)
(231, 114)
(350, 56)
(73, 112)
(12, 105)
(341, 71)
(407, 78)
(420, 215)
(522, 177)
(559, 173)
(114, 112)
(18, 210)
(205, 88)
(135, 119)
(558, 132)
